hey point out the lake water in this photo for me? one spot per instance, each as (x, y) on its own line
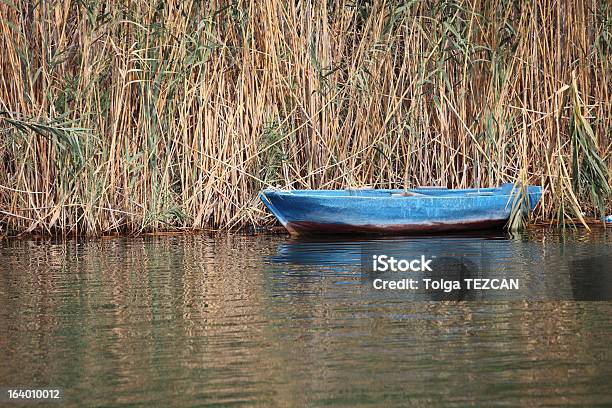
(274, 321)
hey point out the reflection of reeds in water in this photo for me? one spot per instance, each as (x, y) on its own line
(142, 310)
(154, 115)
(191, 318)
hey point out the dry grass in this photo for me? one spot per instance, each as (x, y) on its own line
(132, 116)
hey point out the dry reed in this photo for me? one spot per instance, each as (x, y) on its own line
(132, 116)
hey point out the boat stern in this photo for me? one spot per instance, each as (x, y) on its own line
(535, 194)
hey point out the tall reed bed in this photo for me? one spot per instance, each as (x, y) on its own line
(131, 116)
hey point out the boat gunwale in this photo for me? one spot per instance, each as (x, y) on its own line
(289, 193)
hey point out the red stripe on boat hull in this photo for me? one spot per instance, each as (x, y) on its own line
(307, 227)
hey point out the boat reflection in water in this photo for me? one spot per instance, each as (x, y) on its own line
(457, 267)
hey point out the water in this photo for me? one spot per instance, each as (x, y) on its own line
(272, 321)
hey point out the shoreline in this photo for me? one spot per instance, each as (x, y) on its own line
(277, 230)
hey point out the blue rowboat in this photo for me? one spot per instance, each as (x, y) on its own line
(419, 210)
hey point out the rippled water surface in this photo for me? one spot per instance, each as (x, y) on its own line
(274, 321)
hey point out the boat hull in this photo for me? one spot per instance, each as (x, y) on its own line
(387, 212)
